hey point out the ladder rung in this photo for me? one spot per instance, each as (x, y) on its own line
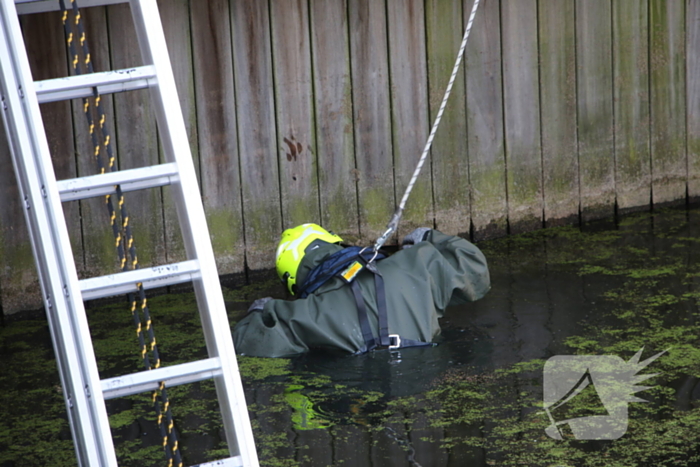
(130, 180)
(175, 375)
(74, 87)
(230, 462)
(39, 6)
(125, 282)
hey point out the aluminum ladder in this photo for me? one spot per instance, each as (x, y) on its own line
(63, 292)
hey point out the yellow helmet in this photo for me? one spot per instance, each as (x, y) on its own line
(292, 248)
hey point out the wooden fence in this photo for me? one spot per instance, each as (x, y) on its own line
(318, 110)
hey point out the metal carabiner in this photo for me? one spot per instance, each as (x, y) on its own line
(376, 252)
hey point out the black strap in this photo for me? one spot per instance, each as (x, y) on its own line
(370, 342)
(385, 340)
(381, 307)
(414, 343)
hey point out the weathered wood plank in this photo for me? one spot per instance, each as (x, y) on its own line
(334, 120)
(137, 141)
(558, 111)
(47, 59)
(257, 138)
(595, 110)
(371, 109)
(485, 132)
(98, 239)
(217, 131)
(408, 74)
(449, 157)
(667, 82)
(19, 283)
(47, 53)
(522, 109)
(631, 104)
(296, 138)
(176, 27)
(693, 96)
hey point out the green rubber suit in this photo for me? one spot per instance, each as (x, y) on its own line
(420, 282)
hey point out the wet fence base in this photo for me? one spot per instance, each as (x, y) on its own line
(317, 111)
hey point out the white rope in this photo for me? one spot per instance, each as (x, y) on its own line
(393, 223)
(429, 143)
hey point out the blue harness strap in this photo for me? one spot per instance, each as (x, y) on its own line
(332, 266)
(335, 266)
(370, 341)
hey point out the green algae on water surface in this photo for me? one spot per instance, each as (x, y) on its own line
(480, 400)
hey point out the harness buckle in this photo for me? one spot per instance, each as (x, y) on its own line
(394, 341)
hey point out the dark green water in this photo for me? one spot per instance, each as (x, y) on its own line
(474, 400)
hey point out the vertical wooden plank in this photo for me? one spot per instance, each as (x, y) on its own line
(667, 82)
(137, 141)
(693, 96)
(522, 114)
(485, 132)
(595, 111)
(19, 282)
(333, 113)
(449, 157)
(371, 109)
(176, 27)
(631, 104)
(256, 130)
(296, 138)
(558, 111)
(216, 128)
(98, 239)
(47, 59)
(409, 109)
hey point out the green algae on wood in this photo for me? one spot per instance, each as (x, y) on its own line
(631, 103)
(521, 101)
(333, 112)
(449, 158)
(595, 108)
(409, 109)
(485, 133)
(668, 107)
(294, 112)
(558, 111)
(217, 132)
(371, 115)
(692, 73)
(257, 139)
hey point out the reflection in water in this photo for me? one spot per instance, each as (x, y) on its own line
(475, 399)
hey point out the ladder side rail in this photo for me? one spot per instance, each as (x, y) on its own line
(217, 331)
(62, 337)
(48, 231)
